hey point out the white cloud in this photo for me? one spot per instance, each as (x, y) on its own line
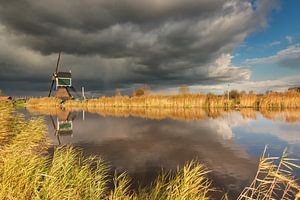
(281, 84)
(274, 43)
(289, 38)
(289, 57)
(282, 130)
(223, 67)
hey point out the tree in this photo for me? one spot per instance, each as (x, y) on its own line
(269, 91)
(234, 94)
(184, 89)
(141, 91)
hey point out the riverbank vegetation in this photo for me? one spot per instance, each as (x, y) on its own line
(274, 179)
(44, 102)
(27, 171)
(234, 99)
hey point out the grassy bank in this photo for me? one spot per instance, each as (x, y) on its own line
(28, 172)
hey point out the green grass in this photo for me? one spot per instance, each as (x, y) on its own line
(20, 104)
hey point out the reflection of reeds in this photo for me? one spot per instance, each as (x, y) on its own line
(62, 114)
(248, 113)
(152, 113)
(287, 115)
(274, 179)
(148, 113)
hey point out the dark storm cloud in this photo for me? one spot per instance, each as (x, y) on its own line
(129, 42)
(45, 17)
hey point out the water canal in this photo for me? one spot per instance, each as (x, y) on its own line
(143, 142)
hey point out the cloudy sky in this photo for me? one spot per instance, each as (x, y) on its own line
(250, 45)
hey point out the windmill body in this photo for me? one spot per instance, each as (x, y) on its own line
(63, 82)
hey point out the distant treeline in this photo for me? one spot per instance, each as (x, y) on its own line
(289, 99)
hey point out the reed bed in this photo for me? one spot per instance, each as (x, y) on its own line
(154, 101)
(249, 100)
(172, 101)
(5, 116)
(44, 102)
(274, 179)
(27, 172)
(290, 99)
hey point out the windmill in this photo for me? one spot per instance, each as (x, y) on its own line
(62, 81)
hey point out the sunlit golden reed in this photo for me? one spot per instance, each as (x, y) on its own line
(26, 172)
(44, 102)
(274, 179)
(290, 99)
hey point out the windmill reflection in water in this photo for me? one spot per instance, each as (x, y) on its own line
(63, 124)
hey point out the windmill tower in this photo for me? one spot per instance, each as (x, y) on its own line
(62, 81)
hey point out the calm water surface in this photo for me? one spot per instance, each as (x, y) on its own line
(229, 144)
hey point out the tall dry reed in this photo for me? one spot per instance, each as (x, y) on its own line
(290, 99)
(44, 102)
(26, 172)
(274, 179)
(249, 100)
